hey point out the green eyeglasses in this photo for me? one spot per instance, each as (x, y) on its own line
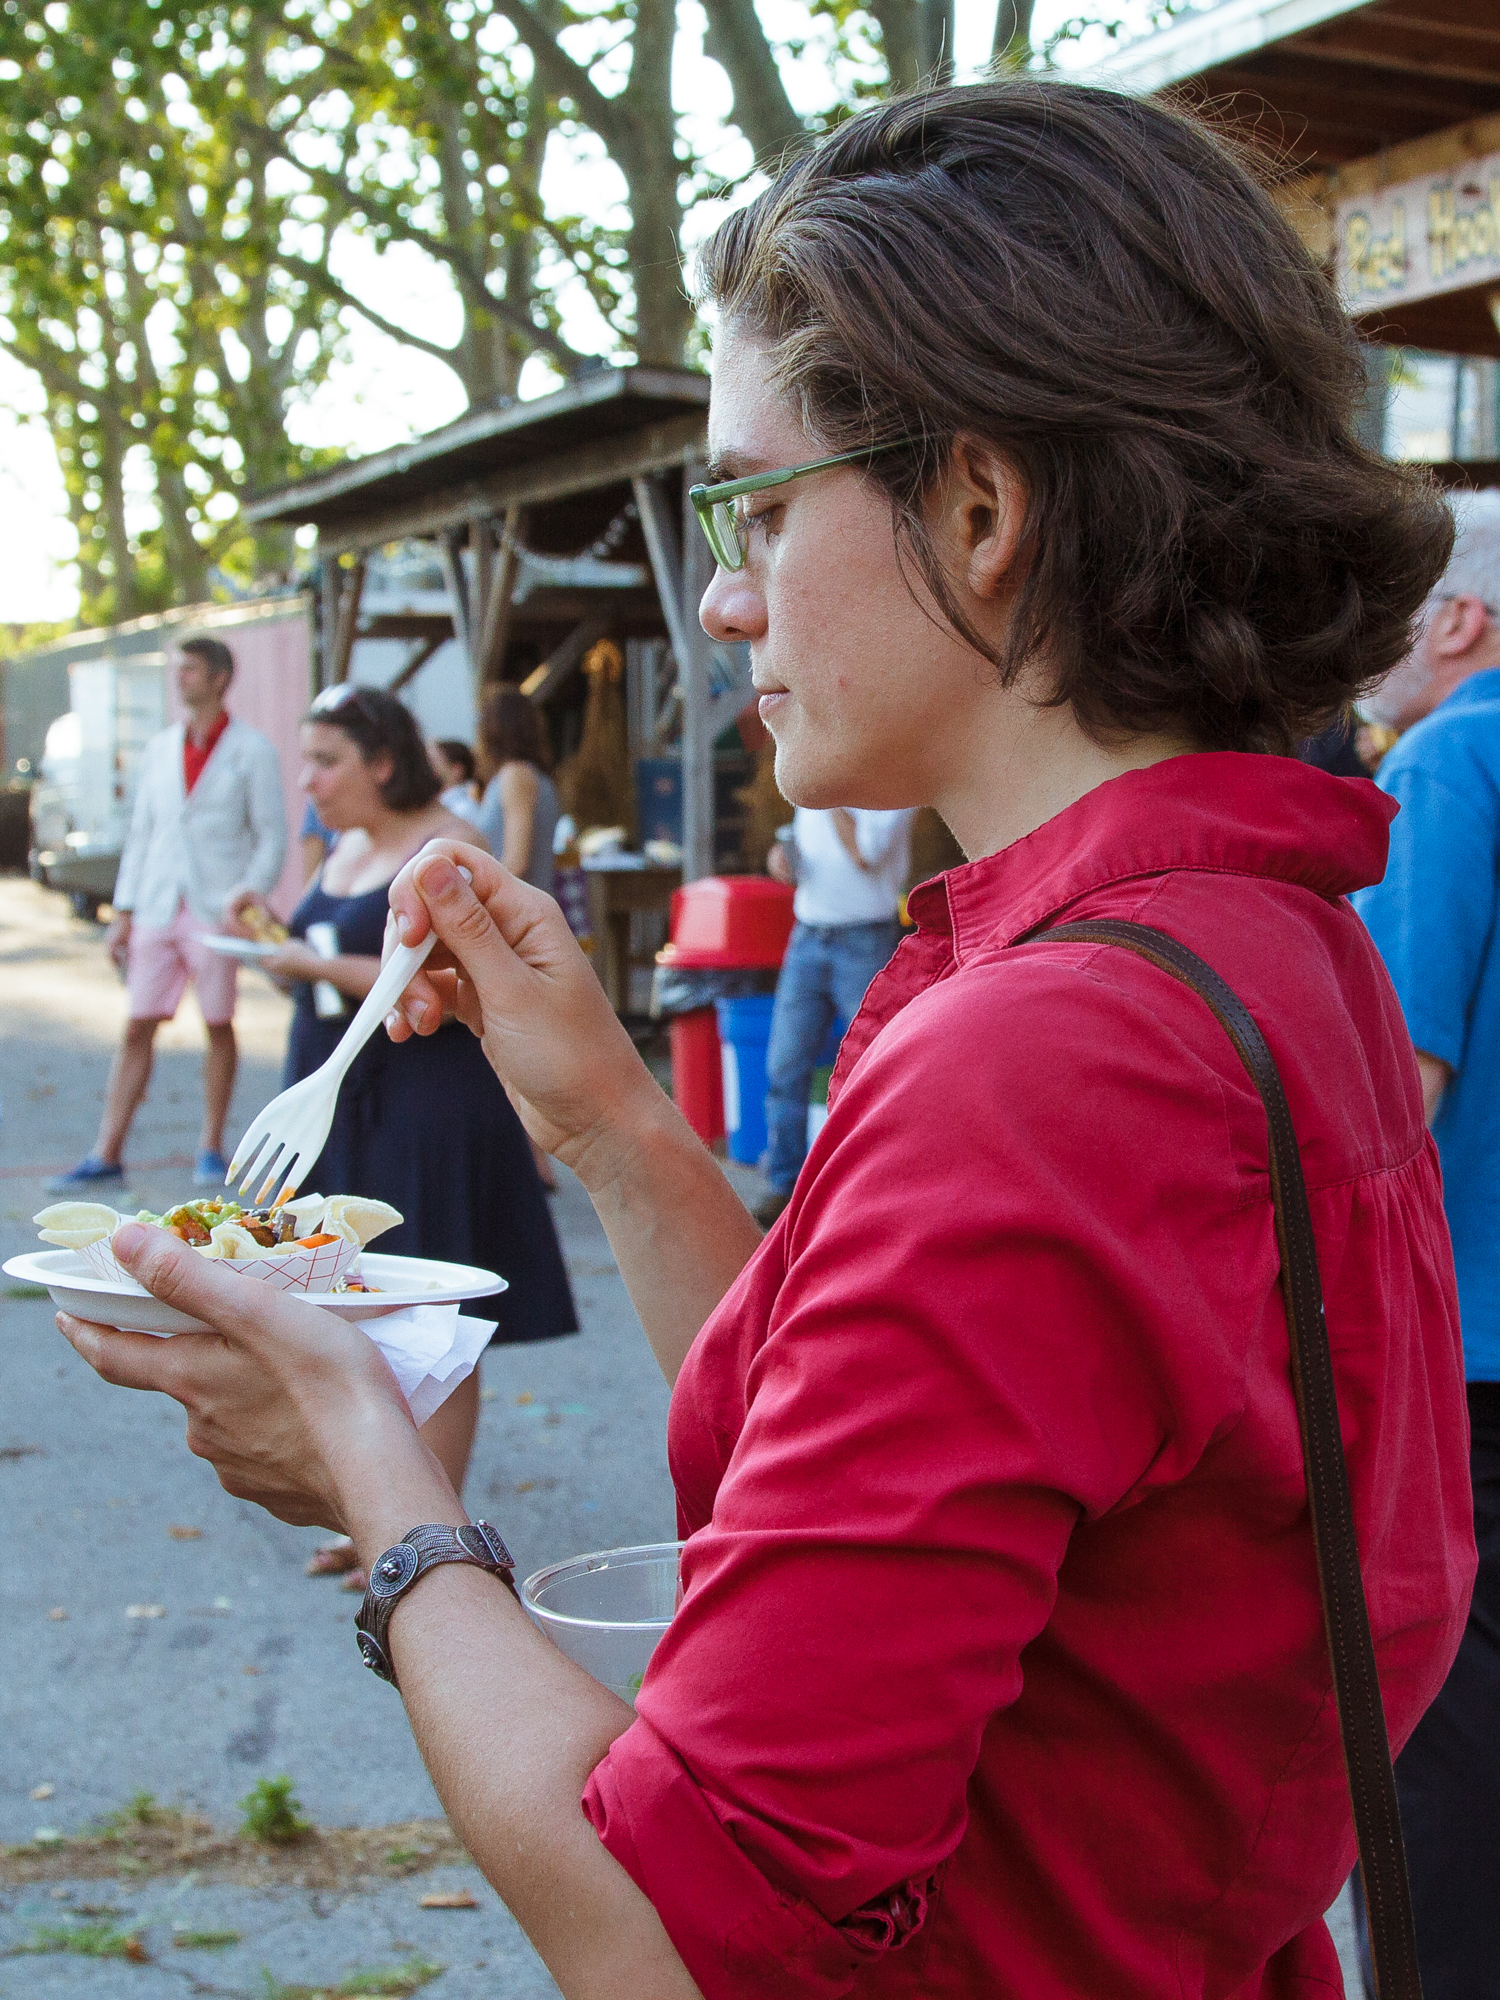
(724, 521)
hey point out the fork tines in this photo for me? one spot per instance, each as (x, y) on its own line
(268, 1166)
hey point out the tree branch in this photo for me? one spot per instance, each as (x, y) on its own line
(539, 336)
(561, 75)
(762, 109)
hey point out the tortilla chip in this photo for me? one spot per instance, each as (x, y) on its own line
(361, 1218)
(74, 1224)
(231, 1240)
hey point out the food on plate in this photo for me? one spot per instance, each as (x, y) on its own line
(261, 925)
(221, 1227)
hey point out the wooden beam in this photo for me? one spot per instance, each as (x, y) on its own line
(328, 612)
(692, 651)
(1435, 153)
(450, 553)
(351, 590)
(665, 551)
(561, 661)
(651, 449)
(421, 653)
(482, 548)
(498, 603)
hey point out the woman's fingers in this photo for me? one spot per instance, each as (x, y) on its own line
(128, 1360)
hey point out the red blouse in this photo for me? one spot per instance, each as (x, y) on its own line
(999, 1669)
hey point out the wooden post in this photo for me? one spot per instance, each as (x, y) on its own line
(450, 553)
(697, 695)
(328, 615)
(496, 604)
(347, 628)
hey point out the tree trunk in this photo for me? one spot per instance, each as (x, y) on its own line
(647, 155)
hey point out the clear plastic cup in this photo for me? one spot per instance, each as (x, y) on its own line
(608, 1611)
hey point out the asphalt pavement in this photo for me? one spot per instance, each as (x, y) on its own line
(162, 1637)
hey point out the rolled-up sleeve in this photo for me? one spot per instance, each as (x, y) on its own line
(967, 1354)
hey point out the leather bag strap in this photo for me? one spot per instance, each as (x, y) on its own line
(1346, 1621)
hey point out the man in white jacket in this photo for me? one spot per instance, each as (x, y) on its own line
(209, 823)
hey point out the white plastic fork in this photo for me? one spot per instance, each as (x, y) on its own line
(289, 1134)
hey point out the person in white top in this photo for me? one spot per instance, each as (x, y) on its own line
(850, 869)
(208, 824)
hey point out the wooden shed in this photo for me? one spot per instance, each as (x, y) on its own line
(1387, 115)
(598, 469)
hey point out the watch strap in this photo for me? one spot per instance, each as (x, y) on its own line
(403, 1564)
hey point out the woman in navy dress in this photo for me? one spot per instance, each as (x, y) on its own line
(423, 1125)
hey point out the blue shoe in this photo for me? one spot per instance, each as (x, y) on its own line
(88, 1175)
(210, 1170)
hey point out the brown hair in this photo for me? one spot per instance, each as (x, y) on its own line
(1101, 288)
(378, 724)
(512, 730)
(214, 654)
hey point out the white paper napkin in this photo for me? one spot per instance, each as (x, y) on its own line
(430, 1349)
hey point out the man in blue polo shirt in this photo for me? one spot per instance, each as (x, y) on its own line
(1434, 919)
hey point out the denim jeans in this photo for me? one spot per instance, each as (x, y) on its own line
(824, 974)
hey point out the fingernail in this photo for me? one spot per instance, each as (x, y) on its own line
(127, 1239)
(465, 873)
(437, 877)
(403, 925)
(416, 1013)
(392, 1022)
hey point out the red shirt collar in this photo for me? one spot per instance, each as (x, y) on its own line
(196, 755)
(1223, 811)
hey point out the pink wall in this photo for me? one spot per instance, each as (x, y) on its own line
(270, 690)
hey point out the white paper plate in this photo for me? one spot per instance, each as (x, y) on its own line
(238, 947)
(401, 1281)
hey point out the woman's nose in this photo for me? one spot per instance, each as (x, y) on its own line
(732, 608)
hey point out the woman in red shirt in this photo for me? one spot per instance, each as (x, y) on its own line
(999, 1668)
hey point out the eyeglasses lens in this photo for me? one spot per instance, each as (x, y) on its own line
(726, 536)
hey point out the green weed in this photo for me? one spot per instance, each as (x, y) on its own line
(86, 1941)
(270, 1811)
(190, 1940)
(26, 1292)
(380, 1982)
(139, 1810)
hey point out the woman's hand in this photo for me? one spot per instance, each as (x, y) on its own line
(295, 1408)
(294, 961)
(509, 967)
(235, 908)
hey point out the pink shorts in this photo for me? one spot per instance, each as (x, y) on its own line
(164, 958)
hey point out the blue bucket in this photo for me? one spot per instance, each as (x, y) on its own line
(744, 1035)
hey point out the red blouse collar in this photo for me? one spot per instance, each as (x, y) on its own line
(1223, 811)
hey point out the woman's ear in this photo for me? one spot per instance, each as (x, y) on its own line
(984, 500)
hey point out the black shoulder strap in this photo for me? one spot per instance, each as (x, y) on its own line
(1346, 1621)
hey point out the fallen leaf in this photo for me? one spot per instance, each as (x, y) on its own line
(57, 1614)
(145, 1611)
(488, 1395)
(249, 1670)
(525, 1485)
(43, 1791)
(181, 1534)
(136, 1951)
(449, 1899)
(526, 1397)
(11, 1452)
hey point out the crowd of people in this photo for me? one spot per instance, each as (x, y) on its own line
(1000, 1663)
